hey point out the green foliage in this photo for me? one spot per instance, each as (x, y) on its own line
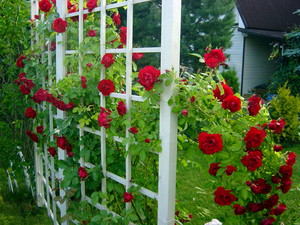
(287, 107)
(231, 79)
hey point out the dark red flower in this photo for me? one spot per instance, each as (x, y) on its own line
(253, 160)
(137, 56)
(238, 209)
(82, 173)
(286, 172)
(36, 17)
(184, 112)
(30, 112)
(147, 140)
(33, 136)
(291, 159)
(45, 5)
(59, 25)
(133, 130)
(53, 46)
(232, 103)
(253, 105)
(104, 118)
(229, 170)
(286, 185)
(255, 189)
(278, 210)
(123, 35)
(39, 129)
(268, 221)
(148, 76)
(121, 108)
(275, 179)
(277, 148)
(223, 197)
(52, 151)
(276, 127)
(19, 62)
(89, 64)
(248, 183)
(92, 33)
(213, 169)
(192, 99)
(254, 138)
(29, 84)
(62, 143)
(210, 143)
(91, 5)
(213, 58)
(106, 87)
(107, 60)
(116, 19)
(255, 207)
(227, 92)
(272, 201)
(83, 85)
(128, 197)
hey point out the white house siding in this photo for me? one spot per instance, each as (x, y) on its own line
(257, 68)
(235, 60)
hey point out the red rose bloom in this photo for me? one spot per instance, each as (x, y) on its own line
(291, 159)
(184, 112)
(53, 46)
(52, 151)
(123, 35)
(213, 58)
(106, 87)
(133, 130)
(253, 105)
(223, 197)
(227, 91)
(83, 79)
(276, 127)
(248, 183)
(272, 201)
(278, 210)
(286, 172)
(92, 33)
(229, 170)
(29, 84)
(39, 129)
(107, 60)
(91, 5)
(33, 136)
(45, 5)
(268, 221)
(255, 189)
(116, 19)
(232, 103)
(213, 169)
(147, 140)
(238, 209)
(255, 207)
(121, 108)
(277, 148)
(192, 99)
(128, 197)
(30, 112)
(83, 85)
(210, 143)
(137, 56)
(286, 185)
(254, 138)
(89, 64)
(59, 25)
(104, 118)
(62, 143)
(19, 62)
(54, 2)
(148, 76)
(82, 173)
(275, 179)
(253, 160)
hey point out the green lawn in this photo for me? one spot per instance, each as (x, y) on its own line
(201, 202)
(19, 208)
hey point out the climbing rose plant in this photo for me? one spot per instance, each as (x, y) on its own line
(248, 172)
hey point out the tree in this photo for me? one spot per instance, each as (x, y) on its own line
(204, 22)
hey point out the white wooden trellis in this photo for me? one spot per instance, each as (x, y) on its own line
(169, 50)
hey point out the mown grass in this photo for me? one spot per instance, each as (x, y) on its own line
(200, 202)
(19, 208)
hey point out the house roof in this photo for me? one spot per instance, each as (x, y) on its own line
(270, 18)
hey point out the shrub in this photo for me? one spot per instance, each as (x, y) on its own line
(286, 106)
(232, 79)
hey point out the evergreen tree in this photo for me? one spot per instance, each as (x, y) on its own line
(203, 22)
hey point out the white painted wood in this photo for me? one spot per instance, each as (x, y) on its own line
(170, 45)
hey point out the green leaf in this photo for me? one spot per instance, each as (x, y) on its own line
(217, 107)
(125, 141)
(208, 184)
(119, 188)
(170, 102)
(143, 155)
(221, 171)
(126, 123)
(133, 217)
(190, 154)
(244, 194)
(62, 164)
(141, 123)
(95, 198)
(168, 81)
(96, 218)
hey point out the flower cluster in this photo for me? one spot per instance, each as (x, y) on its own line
(19, 62)
(82, 173)
(214, 58)
(64, 145)
(33, 136)
(83, 82)
(26, 85)
(104, 118)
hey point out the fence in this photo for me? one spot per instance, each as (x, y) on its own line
(46, 173)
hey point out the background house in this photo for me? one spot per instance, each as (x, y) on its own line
(259, 24)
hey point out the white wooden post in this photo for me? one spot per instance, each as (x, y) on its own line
(170, 45)
(60, 73)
